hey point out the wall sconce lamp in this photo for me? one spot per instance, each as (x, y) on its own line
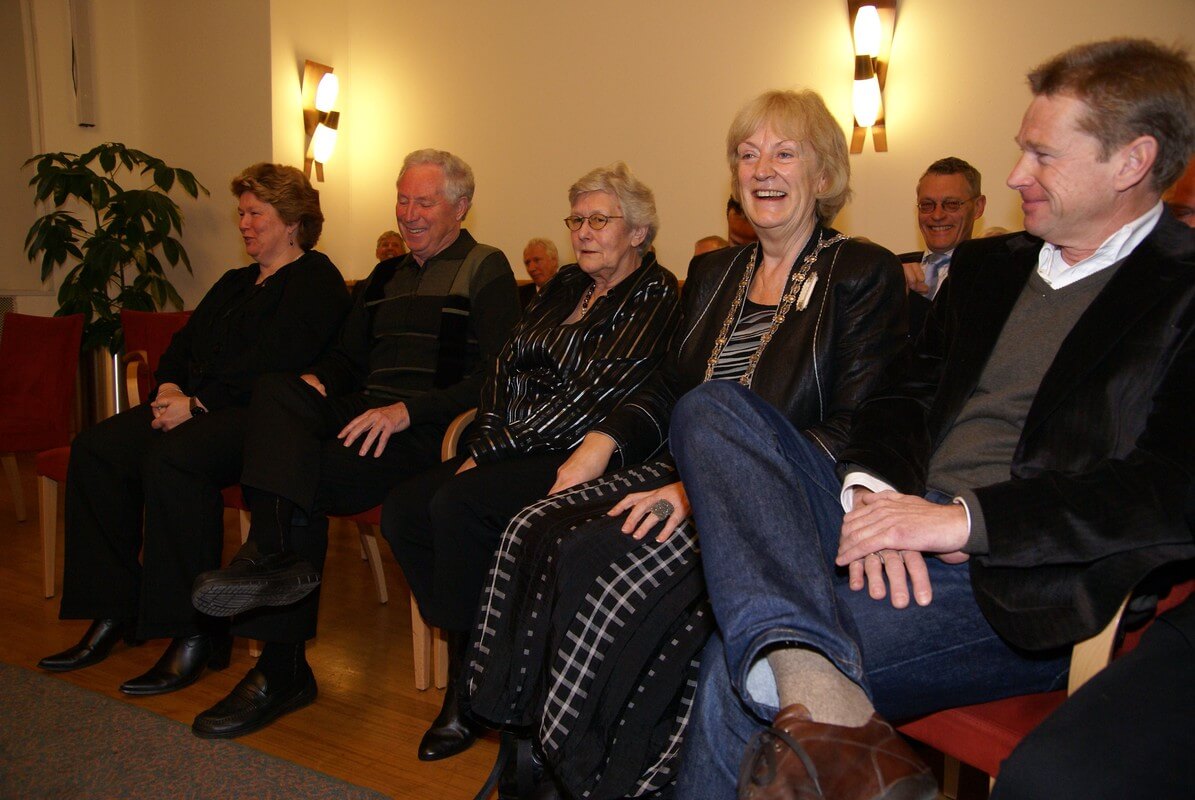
(320, 122)
(872, 23)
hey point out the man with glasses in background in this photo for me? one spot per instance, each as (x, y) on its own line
(949, 201)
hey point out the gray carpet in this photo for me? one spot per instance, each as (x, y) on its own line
(58, 741)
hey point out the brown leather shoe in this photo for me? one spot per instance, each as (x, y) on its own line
(799, 759)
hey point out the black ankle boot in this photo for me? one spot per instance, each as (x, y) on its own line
(93, 648)
(182, 664)
(451, 731)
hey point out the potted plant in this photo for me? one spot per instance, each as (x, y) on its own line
(118, 240)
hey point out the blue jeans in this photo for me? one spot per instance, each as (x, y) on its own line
(766, 501)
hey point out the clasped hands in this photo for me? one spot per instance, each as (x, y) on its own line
(170, 408)
(886, 535)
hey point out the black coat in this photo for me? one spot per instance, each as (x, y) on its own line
(821, 363)
(241, 330)
(1100, 488)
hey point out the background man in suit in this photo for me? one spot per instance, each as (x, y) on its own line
(1033, 463)
(541, 260)
(949, 201)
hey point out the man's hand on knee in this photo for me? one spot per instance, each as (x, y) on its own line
(377, 425)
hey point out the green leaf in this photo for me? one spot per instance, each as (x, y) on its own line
(173, 296)
(163, 177)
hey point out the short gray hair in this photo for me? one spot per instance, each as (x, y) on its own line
(638, 203)
(952, 165)
(458, 176)
(547, 244)
(390, 235)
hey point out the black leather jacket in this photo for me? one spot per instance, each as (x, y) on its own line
(821, 363)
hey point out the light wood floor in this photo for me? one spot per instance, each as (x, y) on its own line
(364, 727)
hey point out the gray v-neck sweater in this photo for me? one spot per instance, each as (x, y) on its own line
(979, 447)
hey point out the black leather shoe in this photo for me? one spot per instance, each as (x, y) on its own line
(252, 580)
(182, 664)
(451, 731)
(254, 704)
(93, 648)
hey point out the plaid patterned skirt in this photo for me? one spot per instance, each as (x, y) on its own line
(590, 639)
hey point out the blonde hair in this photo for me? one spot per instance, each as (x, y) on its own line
(803, 117)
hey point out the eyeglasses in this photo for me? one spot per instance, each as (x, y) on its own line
(949, 206)
(596, 221)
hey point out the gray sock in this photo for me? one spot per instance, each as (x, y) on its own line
(807, 677)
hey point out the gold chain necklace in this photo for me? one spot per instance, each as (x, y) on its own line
(799, 290)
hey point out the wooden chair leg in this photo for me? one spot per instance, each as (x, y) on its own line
(14, 483)
(950, 776)
(47, 498)
(369, 546)
(421, 645)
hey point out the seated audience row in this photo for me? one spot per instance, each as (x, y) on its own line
(1005, 480)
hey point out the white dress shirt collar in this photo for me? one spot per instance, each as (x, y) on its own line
(1057, 273)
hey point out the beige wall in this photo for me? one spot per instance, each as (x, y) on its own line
(16, 144)
(536, 92)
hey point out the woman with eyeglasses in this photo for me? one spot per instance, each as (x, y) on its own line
(593, 334)
(595, 613)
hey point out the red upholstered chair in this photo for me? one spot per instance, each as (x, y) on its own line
(39, 358)
(985, 734)
(146, 336)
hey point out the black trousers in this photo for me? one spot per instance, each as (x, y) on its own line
(121, 469)
(444, 528)
(1129, 732)
(291, 450)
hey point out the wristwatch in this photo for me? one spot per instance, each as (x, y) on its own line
(196, 409)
